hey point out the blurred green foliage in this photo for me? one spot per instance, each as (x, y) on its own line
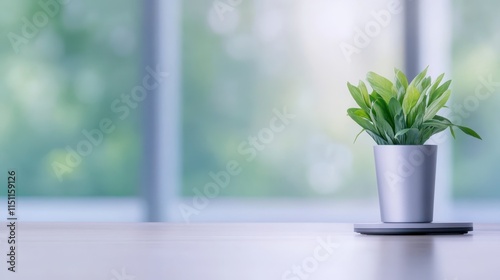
(65, 77)
(476, 59)
(241, 64)
(73, 60)
(233, 78)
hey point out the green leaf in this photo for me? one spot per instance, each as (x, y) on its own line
(434, 87)
(394, 107)
(401, 77)
(354, 113)
(379, 140)
(436, 105)
(374, 96)
(442, 123)
(424, 85)
(396, 113)
(403, 132)
(361, 113)
(381, 85)
(389, 139)
(399, 121)
(416, 116)
(410, 99)
(469, 131)
(452, 132)
(356, 138)
(401, 84)
(442, 119)
(358, 97)
(358, 112)
(428, 131)
(381, 118)
(416, 81)
(382, 109)
(364, 92)
(436, 123)
(413, 137)
(434, 95)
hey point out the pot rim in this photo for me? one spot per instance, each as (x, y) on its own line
(430, 145)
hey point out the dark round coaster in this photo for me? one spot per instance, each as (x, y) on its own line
(413, 228)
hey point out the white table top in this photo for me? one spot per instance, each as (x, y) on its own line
(73, 251)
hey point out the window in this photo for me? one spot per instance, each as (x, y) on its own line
(251, 122)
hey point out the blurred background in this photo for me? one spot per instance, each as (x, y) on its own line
(250, 124)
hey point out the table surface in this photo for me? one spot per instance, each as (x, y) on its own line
(277, 251)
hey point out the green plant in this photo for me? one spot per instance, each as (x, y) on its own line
(400, 113)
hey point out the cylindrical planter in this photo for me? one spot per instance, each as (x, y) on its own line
(405, 178)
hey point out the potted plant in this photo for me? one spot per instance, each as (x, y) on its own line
(401, 117)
